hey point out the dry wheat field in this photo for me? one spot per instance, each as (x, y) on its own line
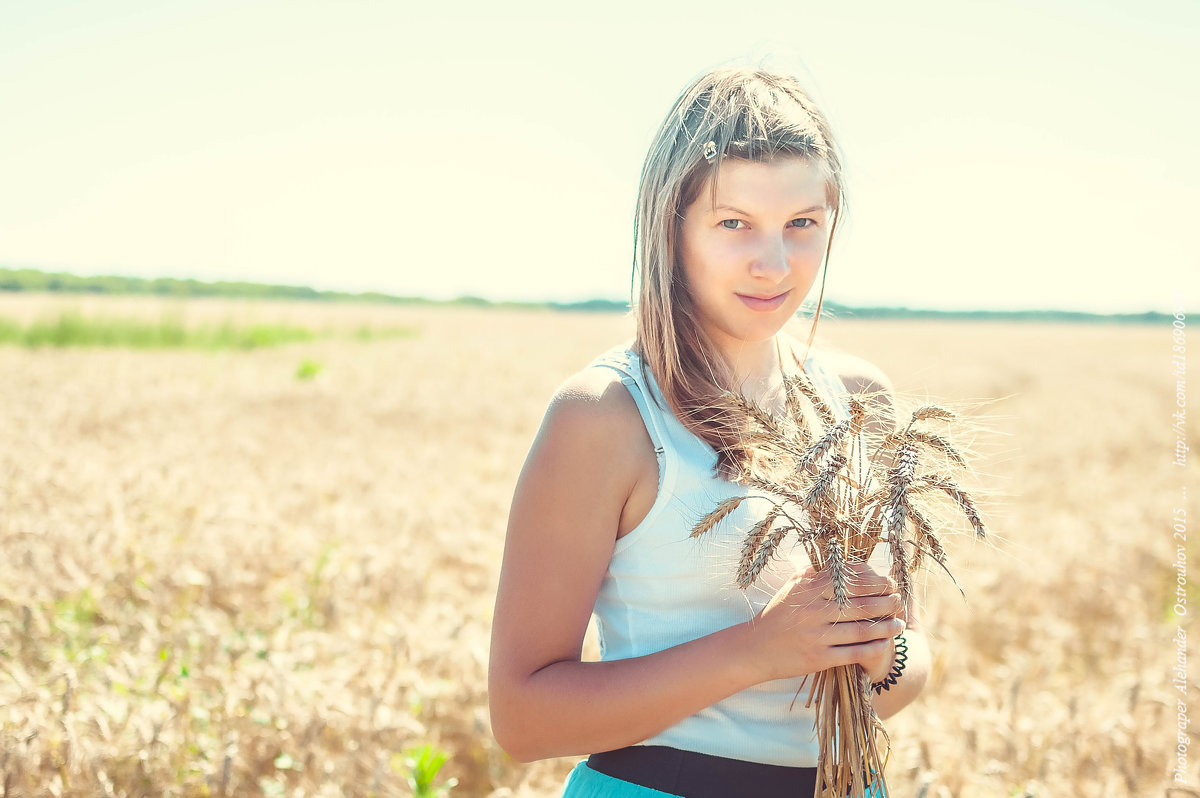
(222, 579)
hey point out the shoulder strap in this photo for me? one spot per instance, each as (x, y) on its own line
(627, 365)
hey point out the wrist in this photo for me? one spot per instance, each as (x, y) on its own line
(879, 671)
(881, 682)
(749, 662)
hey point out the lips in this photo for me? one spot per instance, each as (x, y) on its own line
(764, 304)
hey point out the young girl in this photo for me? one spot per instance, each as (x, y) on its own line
(696, 691)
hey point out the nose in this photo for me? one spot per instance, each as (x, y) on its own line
(771, 259)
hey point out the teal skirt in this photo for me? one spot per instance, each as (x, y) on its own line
(583, 782)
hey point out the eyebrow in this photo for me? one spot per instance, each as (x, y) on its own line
(813, 209)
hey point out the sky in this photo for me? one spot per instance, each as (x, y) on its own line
(999, 155)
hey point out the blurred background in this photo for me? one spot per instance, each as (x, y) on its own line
(253, 533)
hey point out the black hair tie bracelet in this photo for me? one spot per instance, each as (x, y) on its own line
(897, 667)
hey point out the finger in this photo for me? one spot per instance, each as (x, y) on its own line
(863, 607)
(817, 583)
(863, 653)
(849, 632)
(871, 584)
(856, 653)
(856, 609)
(861, 580)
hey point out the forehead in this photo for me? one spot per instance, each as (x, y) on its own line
(791, 181)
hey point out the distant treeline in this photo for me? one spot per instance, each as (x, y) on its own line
(61, 282)
(847, 312)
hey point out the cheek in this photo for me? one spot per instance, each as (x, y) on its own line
(702, 261)
(724, 253)
(811, 249)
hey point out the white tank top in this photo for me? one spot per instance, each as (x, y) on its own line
(663, 588)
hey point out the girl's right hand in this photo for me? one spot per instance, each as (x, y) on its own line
(802, 630)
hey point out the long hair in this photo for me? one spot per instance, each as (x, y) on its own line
(751, 114)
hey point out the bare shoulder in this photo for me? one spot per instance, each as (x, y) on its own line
(593, 403)
(593, 441)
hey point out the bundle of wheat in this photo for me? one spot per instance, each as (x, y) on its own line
(842, 488)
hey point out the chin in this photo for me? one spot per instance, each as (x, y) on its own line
(759, 333)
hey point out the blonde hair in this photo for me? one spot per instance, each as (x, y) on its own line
(751, 114)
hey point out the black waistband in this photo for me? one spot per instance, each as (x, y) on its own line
(694, 775)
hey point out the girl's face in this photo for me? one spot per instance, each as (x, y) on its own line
(752, 254)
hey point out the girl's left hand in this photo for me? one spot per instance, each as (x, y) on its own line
(880, 665)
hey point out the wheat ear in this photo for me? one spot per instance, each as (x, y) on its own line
(899, 479)
(806, 387)
(751, 545)
(924, 532)
(791, 399)
(900, 566)
(819, 491)
(771, 433)
(748, 573)
(828, 441)
(931, 411)
(935, 441)
(836, 556)
(754, 411)
(712, 519)
(858, 412)
(960, 497)
(939, 556)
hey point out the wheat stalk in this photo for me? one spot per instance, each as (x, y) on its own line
(840, 518)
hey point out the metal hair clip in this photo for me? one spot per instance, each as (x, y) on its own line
(710, 151)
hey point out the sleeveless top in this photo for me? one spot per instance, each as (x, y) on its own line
(663, 588)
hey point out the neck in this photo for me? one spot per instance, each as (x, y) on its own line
(756, 366)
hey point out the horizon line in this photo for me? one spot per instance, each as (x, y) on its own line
(54, 285)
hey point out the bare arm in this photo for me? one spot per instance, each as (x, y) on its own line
(562, 528)
(566, 510)
(912, 679)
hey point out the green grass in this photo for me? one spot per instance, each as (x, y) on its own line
(73, 329)
(308, 369)
(422, 765)
(366, 332)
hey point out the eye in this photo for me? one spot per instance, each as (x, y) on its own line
(730, 224)
(808, 223)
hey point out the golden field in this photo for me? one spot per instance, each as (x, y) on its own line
(220, 579)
